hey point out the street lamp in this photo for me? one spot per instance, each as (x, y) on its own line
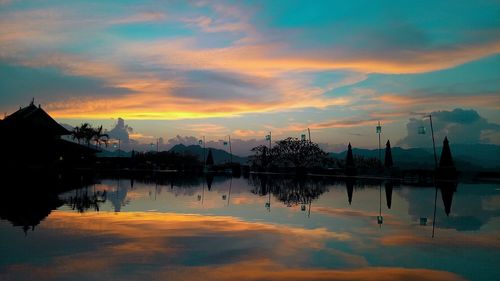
(421, 131)
(379, 131)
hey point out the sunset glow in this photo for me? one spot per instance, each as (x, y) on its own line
(252, 66)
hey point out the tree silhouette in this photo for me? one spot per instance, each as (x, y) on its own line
(210, 158)
(388, 155)
(350, 168)
(446, 158)
(100, 137)
(290, 152)
(446, 168)
(298, 153)
(261, 156)
(87, 133)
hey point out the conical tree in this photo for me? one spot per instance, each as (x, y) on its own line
(446, 170)
(350, 168)
(388, 155)
(446, 158)
(210, 158)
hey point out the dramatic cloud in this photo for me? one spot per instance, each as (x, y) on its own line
(121, 131)
(200, 61)
(460, 125)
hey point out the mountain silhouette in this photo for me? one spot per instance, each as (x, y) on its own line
(219, 156)
(465, 156)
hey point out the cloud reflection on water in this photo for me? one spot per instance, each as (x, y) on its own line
(160, 246)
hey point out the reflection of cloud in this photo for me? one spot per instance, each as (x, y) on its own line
(458, 240)
(337, 212)
(271, 271)
(192, 247)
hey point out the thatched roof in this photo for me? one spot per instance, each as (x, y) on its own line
(32, 119)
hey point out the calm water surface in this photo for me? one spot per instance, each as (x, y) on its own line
(260, 228)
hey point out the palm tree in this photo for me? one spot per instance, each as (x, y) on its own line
(100, 137)
(77, 134)
(87, 132)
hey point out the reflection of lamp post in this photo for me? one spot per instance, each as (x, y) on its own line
(380, 219)
(421, 131)
(268, 203)
(229, 193)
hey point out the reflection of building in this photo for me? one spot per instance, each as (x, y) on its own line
(31, 138)
(28, 199)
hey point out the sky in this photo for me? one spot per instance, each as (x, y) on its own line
(180, 70)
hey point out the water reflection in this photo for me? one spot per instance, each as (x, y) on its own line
(262, 226)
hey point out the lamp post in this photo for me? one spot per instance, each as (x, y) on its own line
(421, 131)
(269, 137)
(204, 160)
(230, 149)
(379, 131)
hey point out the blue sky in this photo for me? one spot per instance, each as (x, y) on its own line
(217, 68)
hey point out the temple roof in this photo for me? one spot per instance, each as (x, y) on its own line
(33, 119)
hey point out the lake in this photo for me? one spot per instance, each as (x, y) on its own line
(256, 228)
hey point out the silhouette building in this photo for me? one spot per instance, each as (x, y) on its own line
(31, 138)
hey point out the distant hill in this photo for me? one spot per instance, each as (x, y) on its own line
(220, 156)
(114, 153)
(465, 156)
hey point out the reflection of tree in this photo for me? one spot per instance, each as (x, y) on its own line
(388, 193)
(448, 188)
(28, 200)
(289, 190)
(349, 185)
(83, 200)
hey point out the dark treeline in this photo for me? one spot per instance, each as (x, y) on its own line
(300, 156)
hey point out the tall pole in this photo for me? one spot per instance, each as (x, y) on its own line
(435, 165)
(270, 137)
(379, 131)
(230, 150)
(434, 218)
(204, 160)
(380, 203)
(157, 145)
(309, 131)
(433, 143)
(229, 194)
